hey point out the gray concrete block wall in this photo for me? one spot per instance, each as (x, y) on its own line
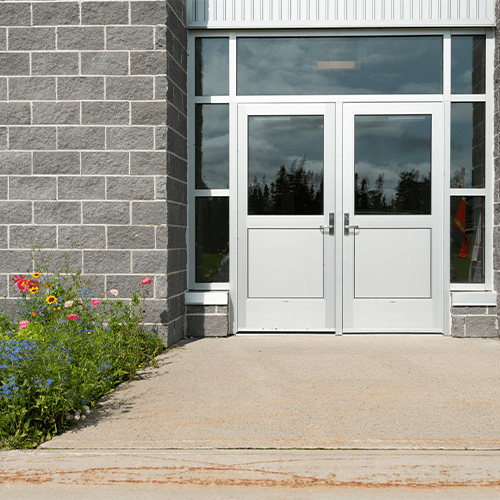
(207, 321)
(84, 143)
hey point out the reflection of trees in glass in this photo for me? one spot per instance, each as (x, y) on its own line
(294, 192)
(413, 195)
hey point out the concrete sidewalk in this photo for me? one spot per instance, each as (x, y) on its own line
(282, 417)
(369, 391)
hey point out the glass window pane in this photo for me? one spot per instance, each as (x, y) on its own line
(212, 66)
(212, 146)
(340, 65)
(212, 240)
(285, 165)
(392, 164)
(467, 153)
(467, 239)
(468, 56)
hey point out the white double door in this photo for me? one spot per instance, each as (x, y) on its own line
(340, 217)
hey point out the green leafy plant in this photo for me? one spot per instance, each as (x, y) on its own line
(65, 349)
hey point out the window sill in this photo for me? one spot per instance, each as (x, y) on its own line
(209, 298)
(474, 298)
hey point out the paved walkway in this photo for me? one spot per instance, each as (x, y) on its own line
(282, 417)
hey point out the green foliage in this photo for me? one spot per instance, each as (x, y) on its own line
(66, 350)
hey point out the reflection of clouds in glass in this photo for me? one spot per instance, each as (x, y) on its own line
(214, 66)
(383, 65)
(216, 161)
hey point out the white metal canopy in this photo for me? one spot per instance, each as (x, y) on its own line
(262, 14)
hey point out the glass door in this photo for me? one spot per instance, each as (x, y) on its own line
(286, 238)
(393, 204)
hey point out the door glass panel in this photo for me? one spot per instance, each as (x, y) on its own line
(340, 65)
(285, 165)
(212, 146)
(468, 62)
(393, 164)
(467, 152)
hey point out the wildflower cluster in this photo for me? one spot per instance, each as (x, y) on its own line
(64, 350)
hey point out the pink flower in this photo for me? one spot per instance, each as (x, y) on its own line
(18, 278)
(71, 317)
(113, 292)
(146, 280)
(23, 324)
(95, 302)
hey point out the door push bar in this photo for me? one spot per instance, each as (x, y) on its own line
(331, 224)
(347, 226)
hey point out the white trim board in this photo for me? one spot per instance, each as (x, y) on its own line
(473, 298)
(206, 298)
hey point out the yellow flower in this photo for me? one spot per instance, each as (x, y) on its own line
(50, 284)
(36, 275)
(33, 289)
(51, 299)
(56, 308)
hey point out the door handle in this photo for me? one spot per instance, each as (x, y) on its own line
(347, 226)
(331, 224)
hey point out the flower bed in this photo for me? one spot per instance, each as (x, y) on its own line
(65, 349)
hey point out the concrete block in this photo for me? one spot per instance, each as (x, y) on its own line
(84, 237)
(32, 188)
(56, 162)
(156, 311)
(176, 96)
(466, 310)
(177, 283)
(3, 138)
(149, 213)
(56, 113)
(3, 89)
(176, 214)
(56, 13)
(15, 261)
(105, 113)
(105, 13)
(160, 38)
(161, 139)
(176, 167)
(176, 120)
(54, 63)
(129, 88)
(149, 113)
(127, 285)
(106, 261)
(80, 88)
(130, 138)
(161, 188)
(162, 237)
(14, 63)
(148, 163)
(176, 237)
(173, 332)
(160, 88)
(15, 113)
(190, 310)
(130, 188)
(15, 14)
(32, 89)
(32, 236)
(147, 63)
(32, 39)
(176, 143)
(3, 39)
(3, 242)
(177, 10)
(104, 63)
(81, 188)
(15, 163)
(177, 260)
(129, 237)
(148, 12)
(177, 24)
(221, 310)
(59, 260)
(176, 306)
(57, 212)
(207, 326)
(129, 38)
(80, 137)
(106, 212)
(3, 188)
(105, 163)
(31, 138)
(176, 190)
(80, 38)
(16, 212)
(176, 49)
(481, 326)
(149, 262)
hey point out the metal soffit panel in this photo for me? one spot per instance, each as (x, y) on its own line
(242, 14)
